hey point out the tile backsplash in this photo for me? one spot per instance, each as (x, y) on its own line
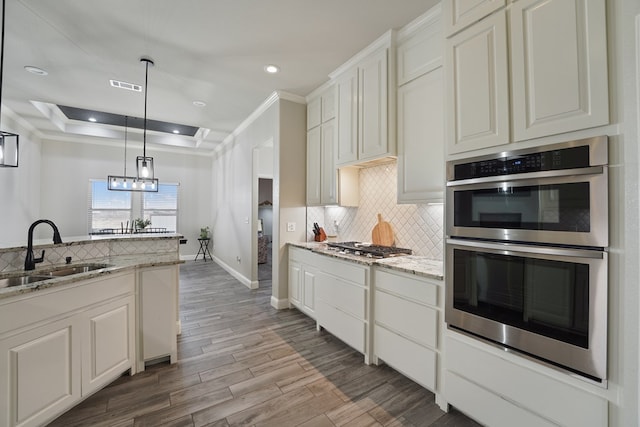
(418, 227)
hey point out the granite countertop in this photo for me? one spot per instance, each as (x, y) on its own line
(413, 264)
(115, 264)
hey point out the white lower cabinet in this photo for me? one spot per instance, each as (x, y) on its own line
(407, 325)
(58, 346)
(333, 292)
(107, 344)
(158, 313)
(342, 302)
(302, 278)
(42, 371)
(500, 389)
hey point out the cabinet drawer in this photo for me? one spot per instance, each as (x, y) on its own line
(345, 296)
(406, 286)
(559, 401)
(346, 271)
(413, 360)
(412, 320)
(347, 328)
(488, 408)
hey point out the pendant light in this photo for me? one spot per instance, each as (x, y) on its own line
(8, 140)
(145, 180)
(124, 182)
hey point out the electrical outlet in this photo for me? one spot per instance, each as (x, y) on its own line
(291, 226)
(238, 259)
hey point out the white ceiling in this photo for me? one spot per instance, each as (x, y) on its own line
(207, 50)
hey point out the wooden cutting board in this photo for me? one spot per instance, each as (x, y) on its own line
(382, 233)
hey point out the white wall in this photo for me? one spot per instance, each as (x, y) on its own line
(232, 200)
(19, 187)
(67, 168)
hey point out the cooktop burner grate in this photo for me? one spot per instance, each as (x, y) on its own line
(377, 251)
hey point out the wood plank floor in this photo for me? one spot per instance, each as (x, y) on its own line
(241, 362)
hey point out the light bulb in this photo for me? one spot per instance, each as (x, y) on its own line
(134, 185)
(145, 169)
(143, 185)
(114, 182)
(124, 184)
(153, 185)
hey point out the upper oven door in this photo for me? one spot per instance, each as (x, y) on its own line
(568, 207)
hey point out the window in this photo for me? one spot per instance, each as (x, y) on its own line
(111, 211)
(162, 207)
(108, 209)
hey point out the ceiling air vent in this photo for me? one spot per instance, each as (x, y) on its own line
(125, 85)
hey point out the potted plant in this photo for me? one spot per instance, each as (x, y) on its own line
(141, 223)
(204, 232)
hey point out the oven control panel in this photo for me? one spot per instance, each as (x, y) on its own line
(567, 158)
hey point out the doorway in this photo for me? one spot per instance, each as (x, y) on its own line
(265, 228)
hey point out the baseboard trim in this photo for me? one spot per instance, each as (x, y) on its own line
(242, 279)
(279, 304)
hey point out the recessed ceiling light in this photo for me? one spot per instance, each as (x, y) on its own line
(199, 103)
(35, 70)
(176, 131)
(271, 69)
(92, 119)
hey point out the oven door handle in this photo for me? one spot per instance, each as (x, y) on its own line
(593, 170)
(519, 249)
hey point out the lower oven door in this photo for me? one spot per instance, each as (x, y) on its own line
(545, 301)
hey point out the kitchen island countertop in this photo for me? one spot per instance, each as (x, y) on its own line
(412, 264)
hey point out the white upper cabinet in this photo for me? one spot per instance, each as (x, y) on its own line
(372, 131)
(321, 166)
(347, 93)
(420, 119)
(421, 140)
(314, 113)
(366, 130)
(478, 86)
(457, 14)
(313, 166)
(557, 54)
(559, 66)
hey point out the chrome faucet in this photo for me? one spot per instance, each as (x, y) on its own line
(30, 262)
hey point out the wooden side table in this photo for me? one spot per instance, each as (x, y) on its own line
(204, 249)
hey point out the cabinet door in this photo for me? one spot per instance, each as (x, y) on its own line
(108, 343)
(457, 14)
(42, 371)
(314, 113)
(328, 104)
(309, 277)
(294, 283)
(477, 86)
(347, 93)
(559, 66)
(373, 93)
(313, 166)
(328, 174)
(158, 292)
(421, 140)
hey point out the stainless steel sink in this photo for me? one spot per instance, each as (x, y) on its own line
(38, 276)
(76, 269)
(21, 280)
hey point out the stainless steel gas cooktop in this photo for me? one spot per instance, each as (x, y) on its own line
(369, 250)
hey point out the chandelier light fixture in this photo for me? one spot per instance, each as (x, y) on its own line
(145, 181)
(122, 182)
(8, 140)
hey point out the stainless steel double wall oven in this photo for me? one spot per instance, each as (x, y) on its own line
(527, 252)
